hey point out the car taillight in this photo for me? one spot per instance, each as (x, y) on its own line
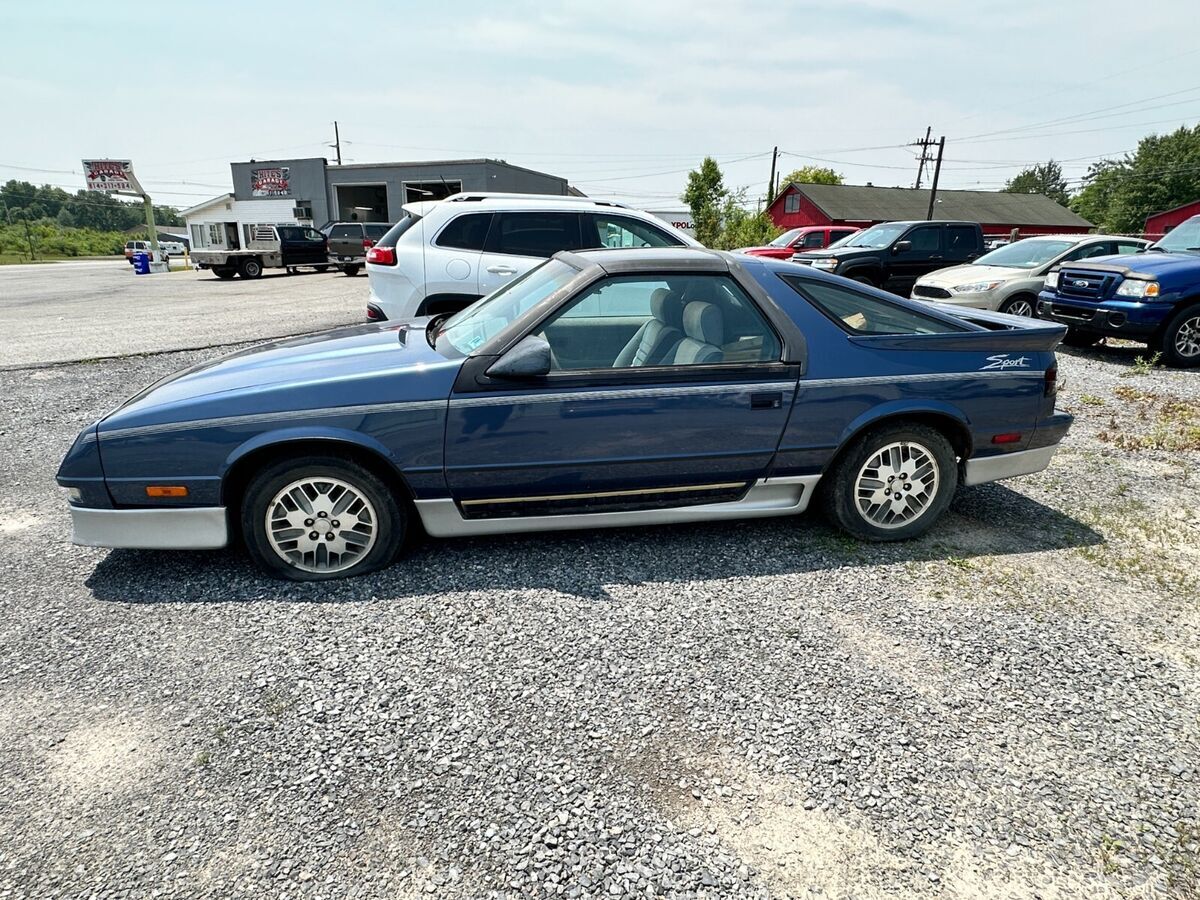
(1051, 381)
(382, 256)
(368, 243)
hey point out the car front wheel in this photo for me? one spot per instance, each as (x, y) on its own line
(1181, 339)
(893, 483)
(320, 518)
(1020, 305)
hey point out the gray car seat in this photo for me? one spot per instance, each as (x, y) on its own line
(704, 331)
(655, 340)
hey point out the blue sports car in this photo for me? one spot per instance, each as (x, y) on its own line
(603, 388)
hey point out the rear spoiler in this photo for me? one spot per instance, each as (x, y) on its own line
(1001, 333)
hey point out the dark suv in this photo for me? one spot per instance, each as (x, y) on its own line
(893, 255)
(350, 241)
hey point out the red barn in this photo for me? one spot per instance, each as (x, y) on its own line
(1159, 223)
(862, 205)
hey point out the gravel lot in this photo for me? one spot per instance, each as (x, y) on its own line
(72, 311)
(1007, 707)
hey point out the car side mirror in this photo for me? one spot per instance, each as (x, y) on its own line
(528, 359)
(901, 246)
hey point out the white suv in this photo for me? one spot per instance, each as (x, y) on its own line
(446, 254)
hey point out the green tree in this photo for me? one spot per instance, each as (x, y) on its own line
(812, 175)
(1044, 178)
(705, 196)
(742, 228)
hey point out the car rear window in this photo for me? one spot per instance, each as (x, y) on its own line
(466, 232)
(863, 314)
(346, 231)
(393, 235)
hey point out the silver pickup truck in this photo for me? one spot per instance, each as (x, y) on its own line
(269, 247)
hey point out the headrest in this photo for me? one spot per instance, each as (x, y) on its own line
(703, 322)
(667, 306)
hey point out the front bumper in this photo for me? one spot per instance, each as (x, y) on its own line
(1110, 317)
(194, 528)
(986, 300)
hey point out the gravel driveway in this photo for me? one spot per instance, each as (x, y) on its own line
(1007, 707)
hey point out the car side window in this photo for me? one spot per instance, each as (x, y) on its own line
(838, 235)
(466, 232)
(1087, 251)
(1126, 247)
(540, 234)
(960, 240)
(622, 231)
(862, 314)
(375, 232)
(926, 239)
(664, 320)
(814, 239)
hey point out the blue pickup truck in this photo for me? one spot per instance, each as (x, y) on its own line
(1152, 297)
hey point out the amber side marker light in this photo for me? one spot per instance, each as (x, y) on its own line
(166, 490)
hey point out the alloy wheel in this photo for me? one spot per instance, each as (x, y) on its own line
(896, 485)
(1020, 308)
(321, 525)
(1187, 338)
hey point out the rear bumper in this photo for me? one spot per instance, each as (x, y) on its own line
(197, 528)
(1007, 465)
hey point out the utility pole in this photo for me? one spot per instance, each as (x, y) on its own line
(924, 144)
(937, 170)
(771, 182)
(337, 142)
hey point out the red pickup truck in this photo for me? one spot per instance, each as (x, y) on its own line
(799, 240)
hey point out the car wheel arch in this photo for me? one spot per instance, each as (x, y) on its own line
(254, 455)
(942, 417)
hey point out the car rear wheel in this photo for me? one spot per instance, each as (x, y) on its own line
(250, 268)
(351, 270)
(893, 483)
(1019, 305)
(224, 274)
(1181, 339)
(1074, 338)
(321, 518)
(321, 268)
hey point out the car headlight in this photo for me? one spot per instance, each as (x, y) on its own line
(1132, 287)
(1052, 279)
(827, 264)
(975, 287)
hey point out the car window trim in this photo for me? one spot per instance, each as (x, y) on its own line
(958, 325)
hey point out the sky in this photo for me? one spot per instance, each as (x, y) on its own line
(620, 97)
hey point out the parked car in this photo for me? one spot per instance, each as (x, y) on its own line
(894, 255)
(132, 247)
(287, 247)
(602, 388)
(1153, 297)
(446, 254)
(172, 248)
(1008, 279)
(350, 241)
(801, 240)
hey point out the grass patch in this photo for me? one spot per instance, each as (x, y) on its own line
(1157, 423)
(1144, 545)
(1142, 366)
(1091, 400)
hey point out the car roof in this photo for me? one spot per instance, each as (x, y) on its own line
(496, 201)
(649, 259)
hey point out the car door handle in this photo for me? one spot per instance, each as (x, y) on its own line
(502, 270)
(772, 400)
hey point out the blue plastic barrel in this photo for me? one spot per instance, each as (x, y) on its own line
(141, 264)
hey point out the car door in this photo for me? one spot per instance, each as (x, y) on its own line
(962, 245)
(599, 433)
(453, 265)
(607, 230)
(518, 241)
(302, 246)
(919, 251)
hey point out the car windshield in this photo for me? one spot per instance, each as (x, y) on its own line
(785, 239)
(1027, 254)
(1183, 237)
(470, 329)
(876, 236)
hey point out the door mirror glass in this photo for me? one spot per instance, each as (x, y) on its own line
(529, 359)
(901, 246)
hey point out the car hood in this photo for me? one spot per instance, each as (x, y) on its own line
(349, 366)
(1152, 263)
(956, 275)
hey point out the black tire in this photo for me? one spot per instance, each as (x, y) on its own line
(1180, 344)
(1020, 302)
(322, 268)
(389, 518)
(224, 274)
(251, 267)
(1081, 339)
(840, 485)
(351, 270)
